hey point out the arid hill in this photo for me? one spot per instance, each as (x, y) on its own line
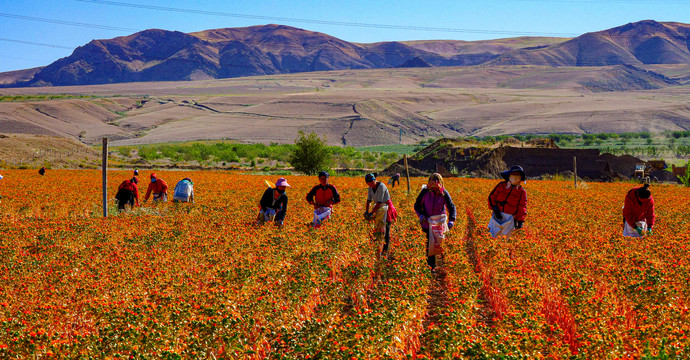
(360, 107)
(160, 55)
(23, 150)
(644, 42)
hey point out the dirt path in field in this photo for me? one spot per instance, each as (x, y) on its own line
(487, 294)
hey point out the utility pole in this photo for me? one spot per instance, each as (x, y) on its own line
(105, 177)
(407, 173)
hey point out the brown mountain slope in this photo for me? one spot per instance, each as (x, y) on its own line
(644, 42)
(160, 55)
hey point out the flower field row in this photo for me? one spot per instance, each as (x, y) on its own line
(202, 281)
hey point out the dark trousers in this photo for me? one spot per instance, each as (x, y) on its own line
(124, 197)
(431, 260)
(387, 236)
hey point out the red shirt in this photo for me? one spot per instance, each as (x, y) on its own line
(129, 185)
(509, 199)
(636, 209)
(158, 186)
(323, 195)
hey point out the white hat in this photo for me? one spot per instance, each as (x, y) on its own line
(0, 176)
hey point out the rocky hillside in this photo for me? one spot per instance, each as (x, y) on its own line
(160, 55)
(644, 42)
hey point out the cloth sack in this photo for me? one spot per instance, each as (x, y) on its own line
(503, 228)
(392, 213)
(631, 232)
(268, 214)
(321, 213)
(437, 233)
(163, 197)
(380, 219)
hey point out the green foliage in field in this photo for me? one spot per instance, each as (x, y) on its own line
(685, 179)
(259, 154)
(310, 154)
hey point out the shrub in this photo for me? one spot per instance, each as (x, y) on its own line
(310, 154)
(685, 179)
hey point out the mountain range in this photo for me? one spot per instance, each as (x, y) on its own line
(160, 55)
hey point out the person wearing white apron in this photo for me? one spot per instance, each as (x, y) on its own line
(431, 206)
(274, 203)
(379, 195)
(638, 212)
(508, 201)
(322, 197)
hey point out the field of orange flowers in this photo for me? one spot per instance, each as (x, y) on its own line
(182, 281)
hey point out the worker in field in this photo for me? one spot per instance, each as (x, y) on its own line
(508, 201)
(0, 179)
(273, 204)
(159, 188)
(184, 191)
(436, 213)
(322, 197)
(638, 212)
(394, 179)
(383, 212)
(127, 193)
(42, 171)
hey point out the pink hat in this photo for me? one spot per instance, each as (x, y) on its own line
(282, 182)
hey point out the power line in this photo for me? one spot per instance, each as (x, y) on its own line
(37, 44)
(325, 22)
(63, 22)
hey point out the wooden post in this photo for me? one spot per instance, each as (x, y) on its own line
(575, 170)
(407, 173)
(105, 177)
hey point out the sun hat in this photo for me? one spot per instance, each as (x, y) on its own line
(514, 169)
(282, 182)
(369, 178)
(0, 176)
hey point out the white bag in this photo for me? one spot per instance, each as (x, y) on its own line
(631, 232)
(269, 214)
(504, 228)
(437, 232)
(321, 214)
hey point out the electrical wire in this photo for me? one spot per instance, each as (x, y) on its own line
(63, 22)
(325, 22)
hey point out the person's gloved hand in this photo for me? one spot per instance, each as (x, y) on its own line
(279, 223)
(367, 215)
(450, 225)
(422, 218)
(518, 224)
(497, 213)
(639, 230)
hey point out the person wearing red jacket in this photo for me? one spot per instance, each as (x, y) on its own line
(127, 193)
(159, 188)
(508, 201)
(638, 212)
(322, 197)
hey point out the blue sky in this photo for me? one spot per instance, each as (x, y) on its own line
(37, 32)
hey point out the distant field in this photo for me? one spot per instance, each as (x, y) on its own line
(358, 108)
